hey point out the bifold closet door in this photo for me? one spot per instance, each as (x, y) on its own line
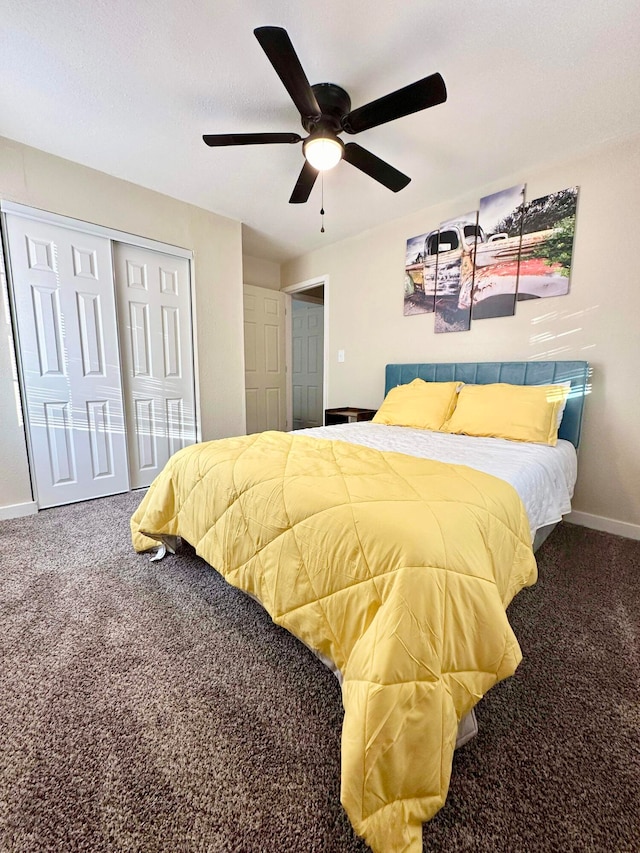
(156, 349)
(68, 341)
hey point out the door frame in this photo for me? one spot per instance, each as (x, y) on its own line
(297, 288)
(114, 235)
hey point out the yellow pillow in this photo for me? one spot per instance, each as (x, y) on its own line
(420, 404)
(518, 412)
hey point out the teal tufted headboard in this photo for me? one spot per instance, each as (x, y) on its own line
(513, 372)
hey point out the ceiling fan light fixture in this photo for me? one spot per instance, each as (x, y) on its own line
(323, 152)
(325, 111)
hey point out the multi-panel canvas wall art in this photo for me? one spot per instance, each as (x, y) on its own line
(479, 264)
(454, 272)
(548, 229)
(498, 254)
(416, 300)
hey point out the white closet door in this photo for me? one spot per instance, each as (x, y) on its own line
(154, 312)
(65, 312)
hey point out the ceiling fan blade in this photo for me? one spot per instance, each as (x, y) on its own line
(277, 45)
(417, 96)
(375, 167)
(217, 139)
(304, 185)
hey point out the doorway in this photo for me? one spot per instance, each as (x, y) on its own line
(306, 391)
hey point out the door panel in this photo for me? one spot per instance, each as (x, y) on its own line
(91, 337)
(100, 433)
(154, 309)
(68, 342)
(264, 351)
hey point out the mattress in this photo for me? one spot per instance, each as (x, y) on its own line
(543, 476)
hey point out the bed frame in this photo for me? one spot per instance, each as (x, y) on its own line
(514, 373)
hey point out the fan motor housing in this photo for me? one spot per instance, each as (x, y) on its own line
(334, 103)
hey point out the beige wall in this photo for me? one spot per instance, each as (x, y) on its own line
(598, 321)
(32, 177)
(260, 273)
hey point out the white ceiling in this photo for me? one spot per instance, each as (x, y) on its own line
(129, 87)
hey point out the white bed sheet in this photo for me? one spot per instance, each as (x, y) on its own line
(543, 476)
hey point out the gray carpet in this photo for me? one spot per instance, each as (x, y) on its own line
(151, 707)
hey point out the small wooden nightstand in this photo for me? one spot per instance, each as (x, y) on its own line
(347, 415)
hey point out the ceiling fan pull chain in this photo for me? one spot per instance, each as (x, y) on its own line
(322, 202)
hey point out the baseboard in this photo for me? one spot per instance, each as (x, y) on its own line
(608, 525)
(18, 510)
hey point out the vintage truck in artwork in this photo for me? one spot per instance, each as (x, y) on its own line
(445, 267)
(447, 255)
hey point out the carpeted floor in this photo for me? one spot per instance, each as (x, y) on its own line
(151, 707)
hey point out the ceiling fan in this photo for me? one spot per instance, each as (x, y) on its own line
(325, 110)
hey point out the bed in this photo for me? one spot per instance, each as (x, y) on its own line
(544, 485)
(393, 562)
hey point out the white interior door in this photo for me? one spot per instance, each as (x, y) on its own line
(307, 343)
(154, 311)
(264, 355)
(68, 342)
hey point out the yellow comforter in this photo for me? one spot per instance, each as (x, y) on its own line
(398, 569)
